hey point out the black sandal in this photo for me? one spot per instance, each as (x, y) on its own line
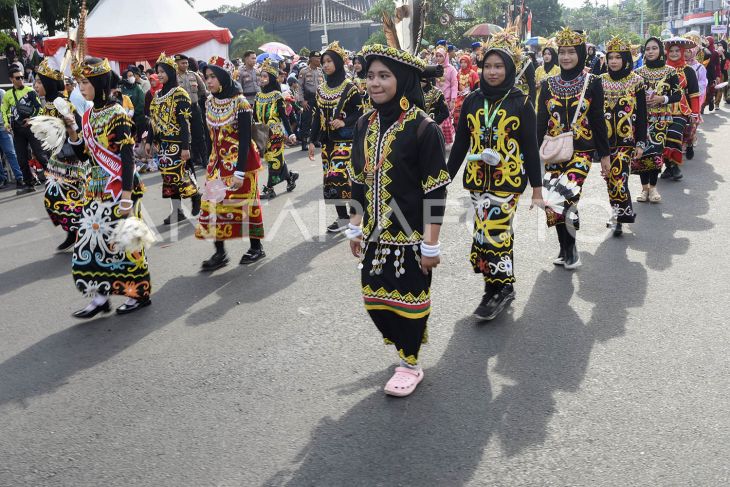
(252, 256)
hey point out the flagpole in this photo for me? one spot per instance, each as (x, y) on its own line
(17, 23)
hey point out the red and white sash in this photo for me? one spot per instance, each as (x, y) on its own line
(109, 161)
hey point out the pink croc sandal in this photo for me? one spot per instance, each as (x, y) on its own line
(403, 382)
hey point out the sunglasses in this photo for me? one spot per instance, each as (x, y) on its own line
(17, 77)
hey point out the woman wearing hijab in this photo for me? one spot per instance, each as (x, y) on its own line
(549, 67)
(714, 72)
(338, 107)
(231, 204)
(398, 163)
(690, 57)
(625, 108)
(360, 80)
(686, 112)
(497, 130)
(269, 109)
(449, 86)
(169, 130)
(468, 79)
(112, 192)
(65, 173)
(662, 90)
(559, 100)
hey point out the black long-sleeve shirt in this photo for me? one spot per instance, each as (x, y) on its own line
(512, 134)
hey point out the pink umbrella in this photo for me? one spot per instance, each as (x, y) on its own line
(277, 48)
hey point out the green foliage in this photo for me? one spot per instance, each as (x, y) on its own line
(304, 52)
(377, 37)
(625, 19)
(246, 39)
(546, 17)
(379, 7)
(6, 41)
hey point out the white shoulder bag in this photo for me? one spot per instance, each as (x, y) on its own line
(560, 148)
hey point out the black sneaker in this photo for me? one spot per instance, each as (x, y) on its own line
(676, 173)
(218, 260)
(690, 153)
(493, 304)
(268, 193)
(180, 217)
(252, 256)
(292, 181)
(338, 226)
(667, 174)
(618, 230)
(25, 189)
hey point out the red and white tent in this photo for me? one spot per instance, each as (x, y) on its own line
(139, 30)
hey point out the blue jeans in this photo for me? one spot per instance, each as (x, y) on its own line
(7, 148)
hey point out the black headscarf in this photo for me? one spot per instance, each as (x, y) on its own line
(658, 62)
(569, 74)
(408, 85)
(363, 73)
(102, 85)
(171, 78)
(53, 87)
(494, 93)
(229, 88)
(272, 85)
(335, 79)
(626, 67)
(553, 60)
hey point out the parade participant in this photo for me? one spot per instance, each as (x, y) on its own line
(398, 163)
(194, 86)
(248, 77)
(170, 132)
(497, 129)
(637, 55)
(571, 102)
(690, 56)
(625, 112)
(310, 78)
(231, 207)
(113, 192)
(434, 102)
(269, 109)
(662, 88)
(685, 112)
(20, 103)
(549, 67)
(591, 55)
(448, 84)
(714, 72)
(467, 80)
(338, 108)
(360, 79)
(65, 173)
(525, 80)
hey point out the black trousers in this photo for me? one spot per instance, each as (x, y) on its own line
(22, 137)
(305, 124)
(198, 145)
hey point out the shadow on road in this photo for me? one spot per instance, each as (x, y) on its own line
(56, 265)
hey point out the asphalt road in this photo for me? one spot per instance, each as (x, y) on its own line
(615, 375)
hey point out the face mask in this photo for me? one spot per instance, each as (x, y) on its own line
(130, 79)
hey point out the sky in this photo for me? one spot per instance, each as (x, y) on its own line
(201, 5)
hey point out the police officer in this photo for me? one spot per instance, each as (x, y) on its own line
(310, 77)
(248, 77)
(195, 86)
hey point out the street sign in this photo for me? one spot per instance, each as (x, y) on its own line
(718, 29)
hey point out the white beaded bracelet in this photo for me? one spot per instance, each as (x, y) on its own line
(430, 250)
(78, 141)
(239, 174)
(353, 231)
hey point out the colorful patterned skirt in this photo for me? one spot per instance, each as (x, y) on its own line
(690, 132)
(447, 127)
(226, 214)
(274, 156)
(177, 180)
(617, 183)
(64, 196)
(335, 160)
(397, 296)
(675, 134)
(492, 238)
(97, 267)
(576, 170)
(653, 159)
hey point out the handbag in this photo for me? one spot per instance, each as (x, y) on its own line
(559, 148)
(260, 134)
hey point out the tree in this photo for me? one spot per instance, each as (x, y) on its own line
(546, 17)
(250, 40)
